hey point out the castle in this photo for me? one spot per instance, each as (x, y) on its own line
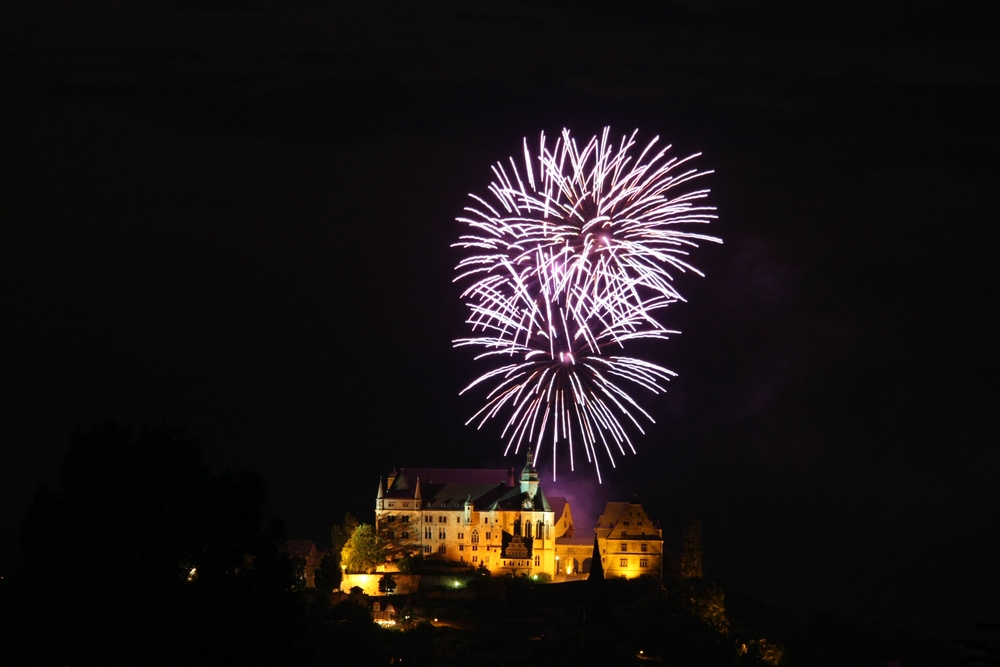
(489, 518)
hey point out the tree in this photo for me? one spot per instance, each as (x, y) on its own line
(691, 557)
(341, 533)
(329, 574)
(387, 584)
(144, 556)
(364, 552)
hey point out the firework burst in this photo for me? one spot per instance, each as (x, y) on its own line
(572, 256)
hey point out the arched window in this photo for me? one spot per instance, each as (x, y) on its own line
(541, 527)
(517, 526)
(527, 528)
(475, 536)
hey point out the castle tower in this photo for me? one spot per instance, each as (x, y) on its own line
(529, 477)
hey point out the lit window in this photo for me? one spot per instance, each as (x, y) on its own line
(624, 562)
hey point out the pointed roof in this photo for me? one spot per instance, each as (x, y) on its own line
(381, 492)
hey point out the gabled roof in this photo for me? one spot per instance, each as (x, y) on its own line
(558, 504)
(494, 476)
(628, 517)
(300, 548)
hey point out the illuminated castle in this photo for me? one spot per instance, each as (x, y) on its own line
(487, 517)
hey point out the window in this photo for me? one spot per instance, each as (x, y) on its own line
(527, 529)
(428, 519)
(442, 519)
(625, 523)
(624, 562)
(475, 537)
(487, 536)
(405, 518)
(475, 547)
(391, 535)
(427, 533)
(461, 559)
(643, 547)
(461, 547)
(538, 561)
(427, 548)
(441, 549)
(405, 535)
(623, 533)
(624, 546)
(392, 504)
(458, 519)
(391, 518)
(475, 558)
(643, 562)
(461, 536)
(538, 532)
(441, 534)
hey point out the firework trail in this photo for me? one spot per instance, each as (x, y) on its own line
(571, 258)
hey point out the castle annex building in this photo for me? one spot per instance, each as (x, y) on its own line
(506, 523)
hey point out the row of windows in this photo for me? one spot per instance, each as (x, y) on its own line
(391, 518)
(643, 562)
(643, 546)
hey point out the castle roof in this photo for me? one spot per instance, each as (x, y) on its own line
(300, 548)
(450, 488)
(558, 504)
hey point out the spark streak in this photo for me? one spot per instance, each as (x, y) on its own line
(570, 262)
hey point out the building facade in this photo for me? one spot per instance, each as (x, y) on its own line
(506, 523)
(631, 545)
(472, 516)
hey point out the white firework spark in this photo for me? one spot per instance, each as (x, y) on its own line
(571, 263)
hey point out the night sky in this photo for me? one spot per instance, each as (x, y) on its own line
(236, 217)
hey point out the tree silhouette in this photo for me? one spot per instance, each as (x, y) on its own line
(387, 584)
(144, 556)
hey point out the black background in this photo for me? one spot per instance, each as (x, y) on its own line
(236, 217)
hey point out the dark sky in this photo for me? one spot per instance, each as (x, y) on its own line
(236, 217)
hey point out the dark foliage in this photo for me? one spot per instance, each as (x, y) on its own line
(144, 556)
